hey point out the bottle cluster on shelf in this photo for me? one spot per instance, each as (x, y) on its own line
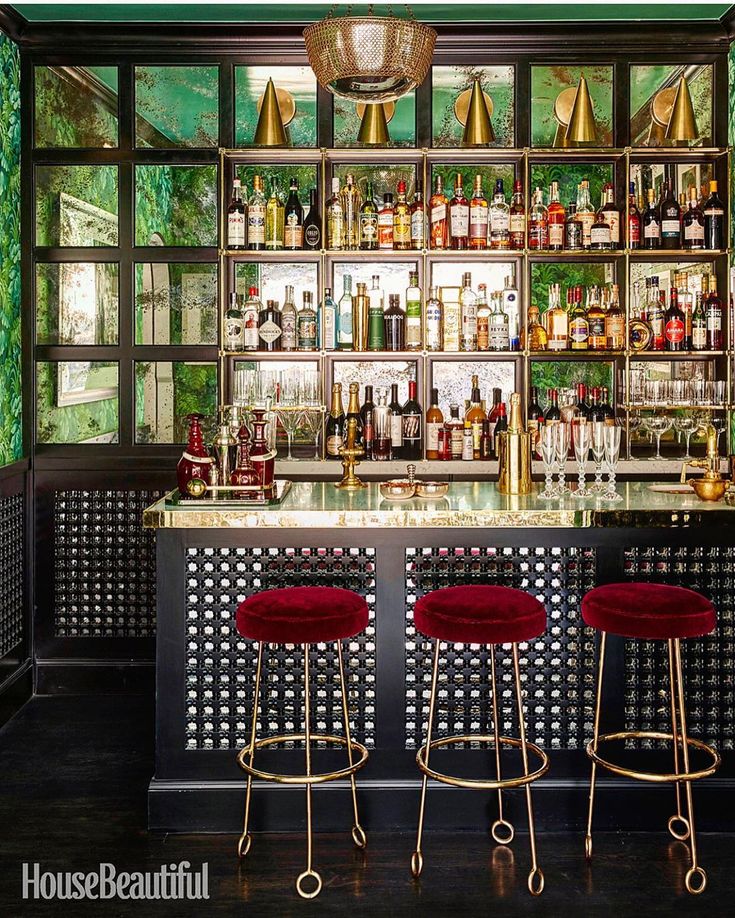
(692, 320)
(591, 319)
(694, 222)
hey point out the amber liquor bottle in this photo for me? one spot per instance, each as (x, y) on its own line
(517, 218)
(438, 216)
(459, 217)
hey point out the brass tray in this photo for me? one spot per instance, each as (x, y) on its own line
(223, 498)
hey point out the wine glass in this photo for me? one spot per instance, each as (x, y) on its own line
(634, 423)
(312, 417)
(547, 446)
(289, 393)
(598, 454)
(686, 425)
(563, 438)
(719, 422)
(582, 436)
(612, 454)
(658, 425)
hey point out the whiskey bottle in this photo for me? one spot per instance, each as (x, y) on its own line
(610, 214)
(434, 321)
(499, 219)
(556, 219)
(234, 326)
(329, 321)
(274, 219)
(483, 318)
(412, 423)
(396, 422)
(344, 316)
(557, 321)
(434, 423)
(413, 313)
(651, 222)
(468, 314)
(293, 238)
(335, 219)
(634, 220)
(335, 428)
(251, 311)
(394, 323)
(269, 327)
(538, 223)
(474, 416)
(288, 321)
(714, 220)
(596, 319)
(369, 221)
(478, 216)
(459, 216)
(236, 219)
(313, 223)
(600, 232)
(585, 212)
(402, 220)
(693, 224)
(517, 218)
(439, 216)
(452, 324)
(418, 219)
(572, 229)
(456, 432)
(536, 337)
(615, 321)
(351, 206)
(306, 336)
(579, 329)
(256, 216)
(670, 219)
(385, 222)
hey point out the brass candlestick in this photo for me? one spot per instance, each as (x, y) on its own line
(351, 454)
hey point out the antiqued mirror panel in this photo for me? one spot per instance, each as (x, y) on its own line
(176, 106)
(555, 89)
(452, 379)
(384, 177)
(76, 206)
(296, 91)
(176, 205)
(76, 401)
(75, 106)
(567, 274)
(563, 375)
(400, 118)
(77, 303)
(175, 303)
(450, 92)
(165, 392)
(271, 279)
(653, 92)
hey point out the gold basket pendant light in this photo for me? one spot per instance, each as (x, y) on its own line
(475, 116)
(374, 124)
(369, 58)
(582, 127)
(682, 123)
(270, 131)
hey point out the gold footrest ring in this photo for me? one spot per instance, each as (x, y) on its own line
(303, 779)
(417, 864)
(510, 832)
(588, 848)
(359, 837)
(679, 836)
(536, 881)
(243, 845)
(694, 888)
(300, 884)
(481, 783)
(654, 777)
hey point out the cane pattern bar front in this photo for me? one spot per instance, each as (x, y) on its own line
(11, 572)
(220, 664)
(557, 669)
(104, 564)
(709, 662)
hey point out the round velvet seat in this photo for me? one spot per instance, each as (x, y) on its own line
(480, 614)
(650, 611)
(302, 615)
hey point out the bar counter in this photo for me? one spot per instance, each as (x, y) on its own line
(209, 560)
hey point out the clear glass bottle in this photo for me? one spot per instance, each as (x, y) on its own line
(335, 219)
(499, 326)
(401, 220)
(585, 212)
(538, 223)
(351, 202)
(499, 219)
(483, 318)
(468, 314)
(251, 311)
(328, 321)
(306, 321)
(611, 215)
(418, 219)
(288, 321)
(434, 321)
(256, 216)
(413, 313)
(274, 219)
(344, 316)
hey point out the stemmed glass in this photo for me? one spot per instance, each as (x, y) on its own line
(582, 436)
(634, 423)
(719, 422)
(563, 437)
(686, 425)
(289, 394)
(548, 457)
(658, 425)
(612, 454)
(598, 454)
(313, 414)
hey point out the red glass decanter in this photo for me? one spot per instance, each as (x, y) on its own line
(195, 461)
(263, 458)
(244, 473)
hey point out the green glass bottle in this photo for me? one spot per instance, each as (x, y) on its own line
(376, 326)
(369, 221)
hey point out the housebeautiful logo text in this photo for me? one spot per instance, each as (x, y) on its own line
(170, 881)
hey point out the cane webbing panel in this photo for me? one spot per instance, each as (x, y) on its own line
(11, 571)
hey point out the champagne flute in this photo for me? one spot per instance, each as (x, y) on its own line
(547, 447)
(612, 454)
(598, 454)
(563, 438)
(582, 436)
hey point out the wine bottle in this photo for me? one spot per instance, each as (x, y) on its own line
(367, 419)
(313, 223)
(434, 422)
(396, 423)
(335, 431)
(412, 418)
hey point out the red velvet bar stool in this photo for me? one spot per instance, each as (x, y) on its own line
(303, 615)
(652, 611)
(482, 614)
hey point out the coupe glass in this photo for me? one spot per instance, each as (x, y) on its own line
(547, 446)
(658, 425)
(612, 454)
(563, 441)
(582, 436)
(686, 425)
(597, 442)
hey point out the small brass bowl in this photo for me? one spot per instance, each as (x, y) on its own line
(431, 490)
(709, 488)
(397, 489)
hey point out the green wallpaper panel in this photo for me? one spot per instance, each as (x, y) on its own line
(11, 447)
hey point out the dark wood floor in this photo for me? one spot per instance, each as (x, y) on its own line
(73, 779)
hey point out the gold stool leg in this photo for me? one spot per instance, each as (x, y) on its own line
(535, 877)
(695, 870)
(596, 732)
(500, 822)
(417, 858)
(678, 818)
(309, 872)
(243, 845)
(358, 833)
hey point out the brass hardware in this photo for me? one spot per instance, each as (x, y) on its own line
(462, 105)
(478, 128)
(286, 105)
(270, 131)
(374, 124)
(514, 453)
(682, 124)
(582, 127)
(711, 486)
(351, 455)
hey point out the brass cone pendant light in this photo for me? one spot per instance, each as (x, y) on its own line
(582, 127)
(270, 131)
(682, 123)
(374, 125)
(478, 129)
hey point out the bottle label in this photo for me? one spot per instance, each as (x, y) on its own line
(402, 228)
(499, 336)
(293, 233)
(369, 228)
(385, 230)
(459, 220)
(518, 223)
(579, 330)
(396, 430)
(714, 321)
(451, 326)
(413, 332)
(556, 235)
(336, 229)
(714, 212)
(615, 329)
(236, 228)
(467, 444)
(674, 331)
(499, 221)
(699, 337)
(432, 435)
(456, 441)
(483, 332)
(412, 428)
(597, 332)
(345, 324)
(256, 224)
(469, 321)
(670, 227)
(634, 231)
(269, 332)
(250, 329)
(586, 221)
(478, 222)
(330, 329)
(288, 330)
(233, 333)
(476, 435)
(438, 213)
(651, 230)
(433, 327)
(612, 218)
(418, 228)
(600, 235)
(694, 231)
(312, 236)
(333, 445)
(306, 332)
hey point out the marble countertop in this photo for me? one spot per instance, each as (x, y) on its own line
(469, 504)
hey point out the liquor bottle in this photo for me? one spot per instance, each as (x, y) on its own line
(655, 316)
(236, 219)
(596, 319)
(394, 323)
(510, 306)
(474, 416)
(600, 232)
(434, 320)
(556, 219)
(486, 441)
(335, 219)
(335, 430)
(456, 432)
(499, 326)
(396, 422)
(536, 338)
(452, 325)
(713, 313)
(615, 322)
(699, 324)
(369, 220)
(329, 321)
(306, 320)
(234, 325)
(651, 223)
(692, 224)
(385, 222)
(552, 412)
(412, 423)
(714, 220)
(557, 321)
(344, 316)
(250, 313)
(538, 223)
(579, 327)
(293, 238)
(670, 219)
(413, 313)
(634, 220)
(478, 216)
(517, 219)
(256, 216)
(499, 219)
(360, 314)
(313, 223)
(686, 304)
(494, 412)
(367, 423)
(459, 216)
(402, 220)
(244, 473)
(274, 219)
(288, 321)
(585, 212)
(418, 219)
(468, 452)
(606, 408)
(583, 409)
(382, 451)
(500, 425)
(611, 214)
(269, 327)
(534, 408)
(439, 216)
(434, 423)
(376, 327)
(674, 324)
(351, 206)
(195, 461)
(468, 314)
(572, 229)
(483, 318)
(261, 455)
(353, 411)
